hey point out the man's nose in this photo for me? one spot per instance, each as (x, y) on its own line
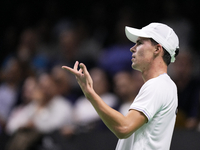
(132, 49)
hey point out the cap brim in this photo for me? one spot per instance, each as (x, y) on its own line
(132, 34)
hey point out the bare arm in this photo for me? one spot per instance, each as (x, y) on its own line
(122, 126)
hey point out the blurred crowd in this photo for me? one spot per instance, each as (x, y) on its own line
(38, 99)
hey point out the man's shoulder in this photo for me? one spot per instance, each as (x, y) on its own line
(161, 83)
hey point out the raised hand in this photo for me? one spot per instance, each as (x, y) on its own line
(82, 76)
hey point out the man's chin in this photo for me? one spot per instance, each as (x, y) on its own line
(134, 66)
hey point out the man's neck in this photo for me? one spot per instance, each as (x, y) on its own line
(154, 71)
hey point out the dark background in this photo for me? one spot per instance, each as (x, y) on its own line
(18, 15)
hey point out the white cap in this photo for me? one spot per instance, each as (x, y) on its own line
(161, 33)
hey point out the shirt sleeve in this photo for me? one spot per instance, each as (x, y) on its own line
(149, 99)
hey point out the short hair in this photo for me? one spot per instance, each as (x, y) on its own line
(166, 56)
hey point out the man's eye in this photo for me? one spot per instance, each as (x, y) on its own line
(138, 43)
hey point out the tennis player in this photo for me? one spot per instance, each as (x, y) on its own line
(150, 120)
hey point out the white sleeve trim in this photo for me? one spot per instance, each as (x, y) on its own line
(145, 112)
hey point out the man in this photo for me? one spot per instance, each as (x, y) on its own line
(150, 121)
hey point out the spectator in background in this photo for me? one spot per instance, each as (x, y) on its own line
(85, 117)
(126, 86)
(17, 118)
(26, 98)
(47, 111)
(9, 88)
(188, 90)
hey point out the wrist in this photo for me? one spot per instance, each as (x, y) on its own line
(90, 94)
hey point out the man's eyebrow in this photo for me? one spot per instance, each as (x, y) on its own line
(138, 40)
(141, 40)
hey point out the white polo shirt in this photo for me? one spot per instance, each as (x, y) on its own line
(157, 100)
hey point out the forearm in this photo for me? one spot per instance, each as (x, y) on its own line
(113, 119)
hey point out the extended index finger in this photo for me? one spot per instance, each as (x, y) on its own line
(69, 69)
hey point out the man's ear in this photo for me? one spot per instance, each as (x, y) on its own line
(158, 49)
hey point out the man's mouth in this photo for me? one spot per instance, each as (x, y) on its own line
(133, 57)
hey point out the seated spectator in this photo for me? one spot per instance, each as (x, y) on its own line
(45, 113)
(9, 88)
